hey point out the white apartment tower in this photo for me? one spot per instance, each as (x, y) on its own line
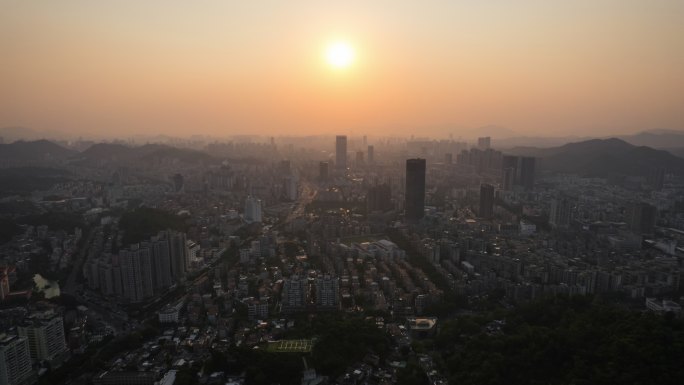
(252, 210)
(15, 359)
(327, 291)
(294, 293)
(45, 335)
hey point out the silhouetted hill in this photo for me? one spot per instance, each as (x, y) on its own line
(107, 151)
(119, 153)
(24, 180)
(181, 154)
(657, 139)
(676, 151)
(38, 150)
(603, 158)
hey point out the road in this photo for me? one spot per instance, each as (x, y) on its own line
(307, 195)
(70, 285)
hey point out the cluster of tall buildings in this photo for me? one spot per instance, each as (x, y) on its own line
(481, 159)
(640, 217)
(341, 161)
(517, 171)
(141, 270)
(299, 293)
(40, 337)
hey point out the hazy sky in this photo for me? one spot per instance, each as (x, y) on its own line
(426, 67)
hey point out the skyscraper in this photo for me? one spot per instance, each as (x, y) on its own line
(341, 152)
(642, 217)
(179, 253)
(371, 154)
(252, 209)
(507, 178)
(359, 158)
(559, 216)
(45, 335)
(509, 171)
(323, 170)
(327, 292)
(290, 187)
(15, 359)
(161, 257)
(486, 201)
(415, 189)
(131, 275)
(484, 143)
(527, 170)
(294, 293)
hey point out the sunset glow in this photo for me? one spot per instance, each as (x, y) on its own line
(221, 68)
(340, 55)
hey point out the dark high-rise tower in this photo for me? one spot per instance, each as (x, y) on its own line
(642, 217)
(486, 201)
(323, 171)
(527, 165)
(561, 211)
(341, 152)
(379, 198)
(359, 158)
(415, 189)
(371, 154)
(509, 171)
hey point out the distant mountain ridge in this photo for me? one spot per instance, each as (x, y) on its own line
(114, 152)
(38, 150)
(603, 158)
(660, 139)
(45, 151)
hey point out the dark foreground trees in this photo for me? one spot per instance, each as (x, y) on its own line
(578, 340)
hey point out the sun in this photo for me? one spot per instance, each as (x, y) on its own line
(340, 54)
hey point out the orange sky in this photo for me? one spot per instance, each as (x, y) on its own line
(431, 68)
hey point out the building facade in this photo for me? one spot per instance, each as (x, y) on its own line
(415, 189)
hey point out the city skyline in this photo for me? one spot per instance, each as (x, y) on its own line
(341, 193)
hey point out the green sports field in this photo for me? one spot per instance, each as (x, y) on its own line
(290, 346)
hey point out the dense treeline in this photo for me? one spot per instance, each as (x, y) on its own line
(25, 180)
(64, 221)
(10, 227)
(340, 341)
(142, 223)
(577, 340)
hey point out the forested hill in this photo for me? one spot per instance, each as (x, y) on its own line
(578, 340)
